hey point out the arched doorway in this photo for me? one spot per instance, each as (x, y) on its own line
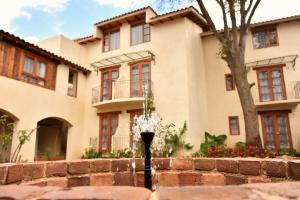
(6, 134)
(51, 139)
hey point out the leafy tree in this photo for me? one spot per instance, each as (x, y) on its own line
(237, 16)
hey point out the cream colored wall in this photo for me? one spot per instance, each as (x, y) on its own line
(32, 103)
(62, 46)
(222, 103)
(173, 73)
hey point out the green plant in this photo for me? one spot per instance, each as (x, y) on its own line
(240, 145)
(90, 153)
(212, 141)
(174, 140)
(6, 139)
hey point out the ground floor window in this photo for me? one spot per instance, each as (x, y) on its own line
(108, 127)
(276, 130)
(234, 127)
(133, 113)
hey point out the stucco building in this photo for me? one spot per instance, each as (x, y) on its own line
(86, 91)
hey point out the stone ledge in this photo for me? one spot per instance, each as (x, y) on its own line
(269, 191)
(235, 170)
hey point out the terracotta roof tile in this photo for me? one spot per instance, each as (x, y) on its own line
(32, 47)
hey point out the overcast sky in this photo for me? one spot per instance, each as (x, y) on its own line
(38, 19)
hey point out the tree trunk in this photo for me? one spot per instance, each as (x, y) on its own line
(247, 103)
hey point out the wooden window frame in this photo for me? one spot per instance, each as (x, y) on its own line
(238, 124)
(269, 70)
(233, 82)
(75, 72)
(267, 30)
(108, 115)
(132, 113)
(140, 66)
(142, 23)
(108, 32)
(274, 123)
(109, 70)
(36, 60)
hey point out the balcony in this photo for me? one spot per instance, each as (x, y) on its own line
(292, 98)
(120, 94)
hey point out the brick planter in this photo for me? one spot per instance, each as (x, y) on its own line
(169, 172)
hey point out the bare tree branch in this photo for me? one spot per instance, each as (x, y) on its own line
(252, 12)
(231, 4)
(249, 6)
(209, 21)
(226, 29)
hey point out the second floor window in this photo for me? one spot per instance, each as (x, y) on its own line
(72, 83)
(271, 84)
(140, 33)
(34, 71)
(229, 82)
(140, 78)
(111, 40)
(265, 38)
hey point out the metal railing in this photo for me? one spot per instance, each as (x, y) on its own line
(292, 90)
(119, 90)
(120, 142)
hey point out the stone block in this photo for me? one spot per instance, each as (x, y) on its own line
(59, 182)
(139, 164)
(274, 168)
(161, 163)
(100, 165)
(14, 173)
(78, 167)
(204, 164)
(168, 179)
(235, 179)
(213, 179)
(227, 165)
(249, 167)
(258, 179)
(103, 179)
(182, 164)
(123, 178)
(189, 178)
(56, 169)
(78, 181)
(119, 165)
(294, 169)
(33, 171)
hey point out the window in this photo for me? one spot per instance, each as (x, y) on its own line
(234, 126)
(276, 130)
(108, 127)
(271, 84)
(140, 33)
(34, 71)
(72, 83)
(229, 82)
(265, 38)
(109, 76)
(133, 113)
(111, 40)
(139, 78)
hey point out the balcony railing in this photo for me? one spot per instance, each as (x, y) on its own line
(120, 90)
(292, 90)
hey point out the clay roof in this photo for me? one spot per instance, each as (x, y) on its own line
(86, 39)
(263, 23)
(124, 15)
(190, 12)
(8, 37)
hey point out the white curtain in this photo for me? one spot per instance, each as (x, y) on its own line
(115, 40)
(137, 34)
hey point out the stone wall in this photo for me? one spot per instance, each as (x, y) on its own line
(169, 172)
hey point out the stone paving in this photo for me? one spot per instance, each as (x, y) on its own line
(265, 191)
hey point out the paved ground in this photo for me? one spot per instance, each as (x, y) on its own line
(269, 191)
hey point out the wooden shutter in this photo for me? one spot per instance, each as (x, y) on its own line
(17, 63)
(9, 60)
(51, 75)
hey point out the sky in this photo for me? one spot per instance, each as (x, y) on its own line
(34, 20)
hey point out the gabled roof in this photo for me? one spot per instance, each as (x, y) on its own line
(86, 39)
(8, 37)
(123, 17)
(263, 23)
(190, 12)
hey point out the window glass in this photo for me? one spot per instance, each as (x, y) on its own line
(28, 65)
(277, 85)
(113, 124)
(234, 125)
(265, 38)
(229, 82)
(115, 40)
(282, 131)
(104, 133)
(146, 32)
(72, 83)
(264, 86)
(135, 81)
(137, 34)
(268, 125)
(41, 69)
